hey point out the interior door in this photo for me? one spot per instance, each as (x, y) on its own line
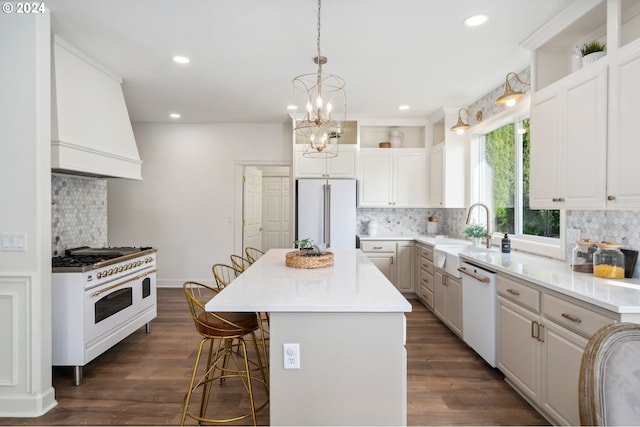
(252, 208)
(275, 204)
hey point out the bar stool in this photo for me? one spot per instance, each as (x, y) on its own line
(222, 331)
(240, 263)
(253, 254)
(224, 274)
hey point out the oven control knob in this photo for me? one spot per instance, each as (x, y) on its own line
(110, 272)
(99, 275)
(121, 269)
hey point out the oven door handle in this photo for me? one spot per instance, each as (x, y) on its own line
(131, 279)
(478, 277)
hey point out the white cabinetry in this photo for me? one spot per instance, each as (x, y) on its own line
(395, 259)
(569, 142)
(541, 337)
(623, 187)
(392, 178)
(447, 162)
(447, 303)
(341, 166)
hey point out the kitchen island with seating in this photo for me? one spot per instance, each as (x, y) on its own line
(349, 322)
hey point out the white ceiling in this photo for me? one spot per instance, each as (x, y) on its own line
(244, 53)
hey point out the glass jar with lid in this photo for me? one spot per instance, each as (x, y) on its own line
(608, 261)
(582, 256)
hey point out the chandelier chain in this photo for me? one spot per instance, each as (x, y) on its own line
(318, 40)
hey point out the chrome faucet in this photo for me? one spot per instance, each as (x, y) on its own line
(488, 236)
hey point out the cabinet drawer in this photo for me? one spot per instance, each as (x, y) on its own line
(425, 252)
(573, 316)
(426, 296)
(426, 265)
(377, 246)
(520, 293)
(426, 280)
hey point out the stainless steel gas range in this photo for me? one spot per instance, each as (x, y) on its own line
(99, 297)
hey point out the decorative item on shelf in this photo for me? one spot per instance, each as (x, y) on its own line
(324, 99)
(462, 126)
(592, 51)
(608, 261)
(432, 224)
(576, 59)
(308, 256)
(510, 96)
(476, 232)
(395, 138)
(384, 145)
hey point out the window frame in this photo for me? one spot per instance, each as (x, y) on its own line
(546, 246)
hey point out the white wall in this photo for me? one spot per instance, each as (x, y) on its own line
(25, 208)
(185, 205)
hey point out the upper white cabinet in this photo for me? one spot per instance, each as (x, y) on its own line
(342, 166)
(392, 178)
(447, 163)
(623, 186)
(583, 122)
(569, 142)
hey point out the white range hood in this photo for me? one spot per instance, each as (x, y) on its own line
(91, 131)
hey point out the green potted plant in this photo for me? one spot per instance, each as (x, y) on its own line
(476, 232)
(592, 51)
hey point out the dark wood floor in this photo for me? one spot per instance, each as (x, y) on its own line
(142, 380)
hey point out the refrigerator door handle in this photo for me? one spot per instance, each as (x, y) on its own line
(327, 215)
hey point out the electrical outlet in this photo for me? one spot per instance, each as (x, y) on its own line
(291, 353)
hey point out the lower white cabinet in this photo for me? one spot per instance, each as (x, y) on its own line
(541, 337)
(447, 300)
(395, 259)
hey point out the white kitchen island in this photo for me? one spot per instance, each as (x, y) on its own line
(349, 322)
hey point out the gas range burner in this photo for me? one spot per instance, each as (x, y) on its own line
(85, 258)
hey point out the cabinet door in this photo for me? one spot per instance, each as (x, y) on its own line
(436, 176)
(624, 151)
(308, 167)
(518, 351)
(584, 122)
(343, 165)
(546, 151)
(410, 179)
(375, 178)
(404, 267)
(440, 295)
(454, 304)
(561, 358)
(384, 262)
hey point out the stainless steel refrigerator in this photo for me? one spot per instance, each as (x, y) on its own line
(326, 212)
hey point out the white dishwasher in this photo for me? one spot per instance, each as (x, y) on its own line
(479, 310)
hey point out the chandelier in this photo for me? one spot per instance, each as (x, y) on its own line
(320, 123)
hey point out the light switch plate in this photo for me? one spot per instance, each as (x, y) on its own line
(16, 242)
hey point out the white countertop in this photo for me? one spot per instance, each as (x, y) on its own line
(352, 284)
(618, 296)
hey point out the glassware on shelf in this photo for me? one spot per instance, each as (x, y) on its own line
(608, 261)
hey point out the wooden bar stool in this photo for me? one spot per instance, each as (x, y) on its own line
(223, 332)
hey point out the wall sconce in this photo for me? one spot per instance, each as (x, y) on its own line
(461, 126)
(510, 96)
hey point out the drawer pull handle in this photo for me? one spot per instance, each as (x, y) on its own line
(377, 247)
(513, 292)
(571, 317)
(425, 266)
(534, 328)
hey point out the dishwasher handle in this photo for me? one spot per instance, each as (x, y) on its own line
(478, 277)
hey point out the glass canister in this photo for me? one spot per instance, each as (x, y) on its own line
(582, 256)
(608, 261)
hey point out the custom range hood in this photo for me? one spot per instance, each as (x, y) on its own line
(91, 131)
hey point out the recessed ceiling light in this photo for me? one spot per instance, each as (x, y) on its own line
(292, 107)
(403, 107)
(475, 20)
(175, 115)
(181, 59)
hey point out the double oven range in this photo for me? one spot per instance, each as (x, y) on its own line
(99, 297)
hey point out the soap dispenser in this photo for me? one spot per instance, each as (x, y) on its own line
(506, 244)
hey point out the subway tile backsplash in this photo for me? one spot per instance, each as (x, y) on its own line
(78, 212)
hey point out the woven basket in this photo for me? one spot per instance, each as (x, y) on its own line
(297, 259)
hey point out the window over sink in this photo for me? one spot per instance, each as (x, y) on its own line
(500, 179)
